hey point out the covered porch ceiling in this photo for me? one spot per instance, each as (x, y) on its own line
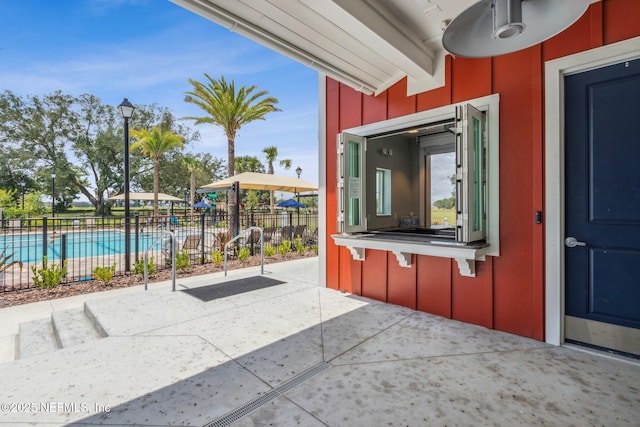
(366, 44)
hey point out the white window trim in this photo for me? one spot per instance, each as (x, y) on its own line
(465, 256)
(554, 169)
(491, 105)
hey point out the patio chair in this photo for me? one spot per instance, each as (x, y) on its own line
(191, 245)
(90, 223)
(299, 231)
(253, 239)
(267, 234)
(311, 238)
(174, 221)
(285, 233)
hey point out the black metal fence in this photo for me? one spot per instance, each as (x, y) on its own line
(84, 243)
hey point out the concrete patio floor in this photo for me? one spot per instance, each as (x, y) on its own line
(299, 354)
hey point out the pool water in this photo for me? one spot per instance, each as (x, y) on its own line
(80, 244)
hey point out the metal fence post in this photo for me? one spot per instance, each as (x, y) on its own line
(202, 237)
(44, 236)
(63, 248)
(236, 209)
(137, 244)
(291, 226)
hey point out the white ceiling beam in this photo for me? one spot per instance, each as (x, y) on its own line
(404, 49)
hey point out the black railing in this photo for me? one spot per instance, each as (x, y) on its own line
(84, 243)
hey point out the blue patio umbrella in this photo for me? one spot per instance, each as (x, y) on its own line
(290, 203)
(202, 205)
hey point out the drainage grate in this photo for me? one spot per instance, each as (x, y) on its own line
(251, 406)
(299, 379)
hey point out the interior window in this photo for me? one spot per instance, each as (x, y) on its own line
(383, 191)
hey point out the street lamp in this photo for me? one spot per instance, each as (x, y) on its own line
(298, 172)
(53, 203)
(53, 194)
(126, 111)
(22, 185)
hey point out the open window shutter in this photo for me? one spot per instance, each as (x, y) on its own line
(470, 174)
(351, 183)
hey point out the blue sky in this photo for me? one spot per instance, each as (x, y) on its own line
(145, 50)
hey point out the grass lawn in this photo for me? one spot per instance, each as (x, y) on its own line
(438, 216)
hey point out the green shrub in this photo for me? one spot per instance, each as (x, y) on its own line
(315, 249)
(138, 266)
(244, 254)
(284, 247)
(270, 250)
(217, 257)
(183, 261)
(48, 277)
(300, 248)
(104, 274)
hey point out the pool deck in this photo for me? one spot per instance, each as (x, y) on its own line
(296, 353)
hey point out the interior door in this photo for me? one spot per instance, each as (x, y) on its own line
(602, 207)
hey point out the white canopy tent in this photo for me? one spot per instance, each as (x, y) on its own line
(261, 181)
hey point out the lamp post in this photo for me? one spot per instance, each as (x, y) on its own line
(298, 172)
(22, 185)
(53, 204)
(53, 194)
(126, 111)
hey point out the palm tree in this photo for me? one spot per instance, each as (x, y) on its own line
(229, 109)
(154, 144)
(192, 166)
(272, 154)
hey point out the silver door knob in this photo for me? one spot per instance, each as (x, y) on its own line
(571, 242)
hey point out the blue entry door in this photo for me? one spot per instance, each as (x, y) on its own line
(602, 207)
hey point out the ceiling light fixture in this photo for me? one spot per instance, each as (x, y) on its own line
(495, 27)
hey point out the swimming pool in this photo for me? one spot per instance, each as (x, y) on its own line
(80, 244)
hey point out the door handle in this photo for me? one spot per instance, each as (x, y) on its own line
(572, 242)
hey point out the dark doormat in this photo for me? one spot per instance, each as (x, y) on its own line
(234, 287)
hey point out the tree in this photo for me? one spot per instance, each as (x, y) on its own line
(154, 144)
(175, 178)
(39, 129)
(449, 203)
(272, 154)
(78, 138)
(252, 201)
(230, 110)
(192, 166)
(248, 164)
(98, 145)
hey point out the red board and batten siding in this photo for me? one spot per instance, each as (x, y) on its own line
(508, 291)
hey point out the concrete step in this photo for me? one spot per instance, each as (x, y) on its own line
(73, 327)
(63, 329)
(35, 337)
